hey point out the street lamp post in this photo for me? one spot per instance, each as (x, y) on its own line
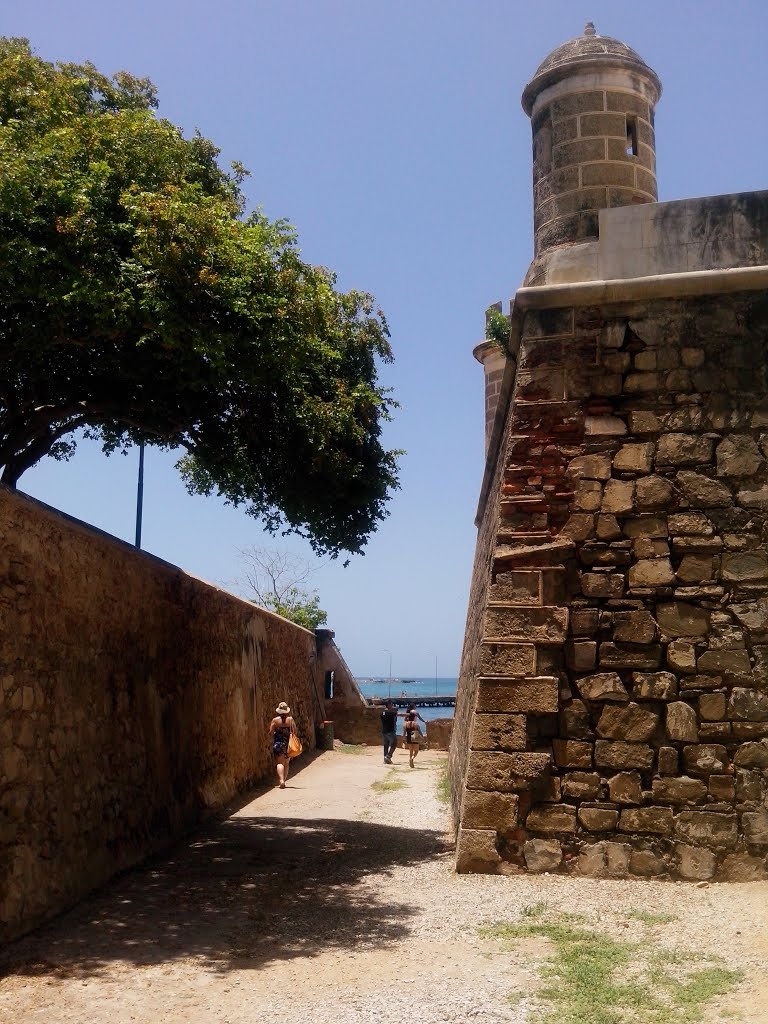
(140, 496)
(389, 693)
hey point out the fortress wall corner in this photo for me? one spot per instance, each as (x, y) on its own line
(612, 717)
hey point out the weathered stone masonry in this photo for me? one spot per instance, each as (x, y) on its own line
(133, 700)
(622, 687)
(612, 716)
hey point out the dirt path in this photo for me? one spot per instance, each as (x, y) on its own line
(279, 897)
(335, 901)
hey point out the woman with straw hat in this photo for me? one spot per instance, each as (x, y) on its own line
(280, 730)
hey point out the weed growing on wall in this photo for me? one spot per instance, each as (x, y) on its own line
(444, 786)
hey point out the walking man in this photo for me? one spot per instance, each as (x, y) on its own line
(389, 730)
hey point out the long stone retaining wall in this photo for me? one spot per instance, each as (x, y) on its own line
(135, 698)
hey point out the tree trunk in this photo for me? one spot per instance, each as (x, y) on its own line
(9, 475)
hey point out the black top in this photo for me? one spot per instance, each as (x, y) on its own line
(389, 720)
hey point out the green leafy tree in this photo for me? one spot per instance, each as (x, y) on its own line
(300, 607)
(140, 303)
(276, 580)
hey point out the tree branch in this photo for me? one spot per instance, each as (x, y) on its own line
(22, 461)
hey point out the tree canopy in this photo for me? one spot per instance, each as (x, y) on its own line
(140, 302)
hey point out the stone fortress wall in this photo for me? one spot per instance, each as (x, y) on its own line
(612, 715)
(619, 717)
(135, 700)
(499, 808)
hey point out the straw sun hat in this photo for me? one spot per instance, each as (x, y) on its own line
(282, 708)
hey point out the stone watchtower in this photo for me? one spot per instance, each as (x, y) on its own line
(591, 105)
(612, 713)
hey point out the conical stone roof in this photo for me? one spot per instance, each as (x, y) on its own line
(587, 52)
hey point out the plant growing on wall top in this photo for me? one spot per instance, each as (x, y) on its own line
(276, 580)
(139, 302)
(497, 327)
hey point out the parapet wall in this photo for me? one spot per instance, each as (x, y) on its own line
(684, 236)
(612, 716)
(706, 233)
(135, 698)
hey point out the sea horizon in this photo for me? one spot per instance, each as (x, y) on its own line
(418, 685)
(411, 686)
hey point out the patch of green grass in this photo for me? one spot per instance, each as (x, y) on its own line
(387, 785)
(673, 957)
(595, 979)
(444, 786)
(650, 919)
(557, 931)
(700, 986)
(535, 910)
(352, 748)
(574, 918)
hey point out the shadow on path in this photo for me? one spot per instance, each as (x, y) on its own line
(238, 894)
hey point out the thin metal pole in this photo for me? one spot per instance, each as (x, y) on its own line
(140, 496)
(384, 649)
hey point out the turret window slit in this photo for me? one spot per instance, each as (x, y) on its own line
(631, 136)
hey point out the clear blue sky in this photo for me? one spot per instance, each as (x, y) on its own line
(390, 133)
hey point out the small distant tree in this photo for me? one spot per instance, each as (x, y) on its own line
(275, 580)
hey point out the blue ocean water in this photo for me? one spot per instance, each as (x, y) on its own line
(412, 687)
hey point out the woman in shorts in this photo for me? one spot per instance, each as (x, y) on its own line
(412, 735)
(280, 730)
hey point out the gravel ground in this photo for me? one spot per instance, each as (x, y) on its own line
(334, 901)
